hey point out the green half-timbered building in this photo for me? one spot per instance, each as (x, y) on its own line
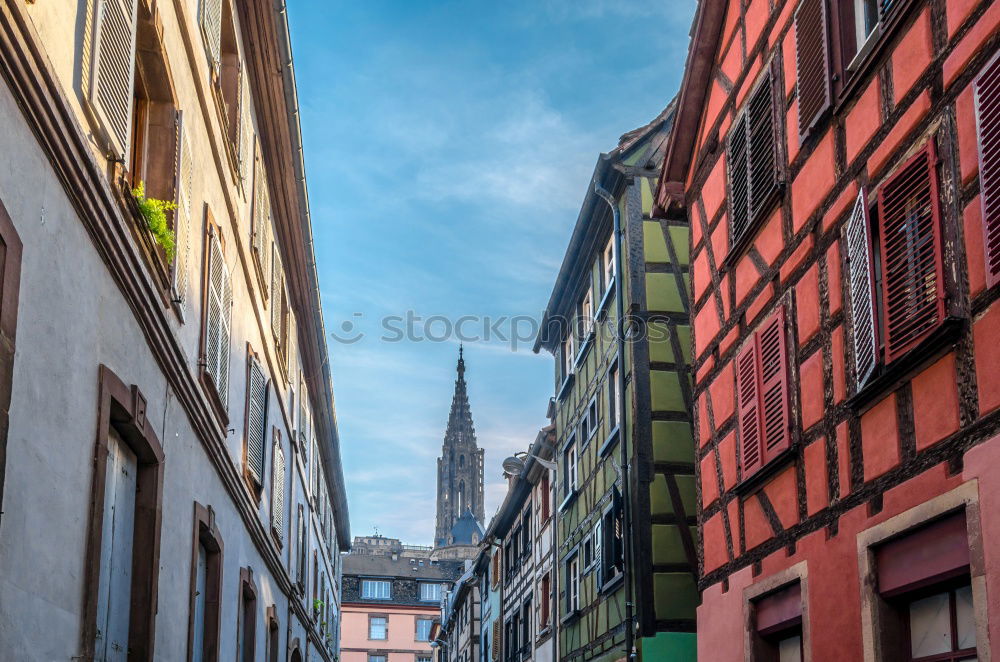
(624, 535)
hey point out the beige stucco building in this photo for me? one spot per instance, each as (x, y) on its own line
(169, 459)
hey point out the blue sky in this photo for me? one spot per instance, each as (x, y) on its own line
(448, 147)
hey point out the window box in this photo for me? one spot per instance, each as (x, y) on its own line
(584, 348)
(610, 442)
(569, 617)
(568, 500)
(613, 584)
(565, 386)
(605, 300)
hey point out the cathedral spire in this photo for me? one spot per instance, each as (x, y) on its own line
(460, 467)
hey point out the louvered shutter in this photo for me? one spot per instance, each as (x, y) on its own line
(599, 550)
(762, 149)
(300, 570)
(278, 488)
(210, 18)
(497, 638)
(912, 278)
(774, 410)
(246, 128)
(183, 215)
(261, 239)
(739, 178)
(112, 70)
(292, 343)
(256, 421)
(812, 62)
(987, 93)
(277, 293)
(748, 401)
(861, 278)
(220, 299)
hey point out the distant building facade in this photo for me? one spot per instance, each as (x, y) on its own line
(460, 511)
(838, 164)
(459, 634)
(624, 405)
(390, 603)
(169, 456)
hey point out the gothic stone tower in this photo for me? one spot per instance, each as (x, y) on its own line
(460, 468)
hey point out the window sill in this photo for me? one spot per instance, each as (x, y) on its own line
(742, 245)
(902, 369)
(614, 584)
(766, 472)
(570, 617)
(213, 395)
(610, 442)
(570, 498)
(565, 386)
(605, 300)
(156, 258)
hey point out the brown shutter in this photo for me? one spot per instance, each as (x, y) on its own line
(861, 279)
(912, 278)
(748, 401)
(987, 93)
(112, 70)
(774, 409)
(812, 62)
(497, 638)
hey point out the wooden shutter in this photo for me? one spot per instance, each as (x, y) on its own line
(774, 410)
(754, 179)
(497, 638)
(912, 275)
(861, 279)
(599, 550)
(292, 343)
(300, 570)
(278, 487)
(246, 128)
(277, 293)
(748, 401)
(986, 89)
(220, 299)
(812, 60)
(112, 70)
(261, 230)
(256, 421)
(183, 215)
(210, 18)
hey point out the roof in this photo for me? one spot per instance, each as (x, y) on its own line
(400, 567)
(639, 152)
(467, 531)
(543, 447)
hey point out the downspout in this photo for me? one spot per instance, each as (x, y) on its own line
(623, 441)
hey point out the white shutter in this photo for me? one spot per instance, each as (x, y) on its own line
(598, 551)
(278, 490)
(246, 129)
(277, 292)
(256, 421)
(210, 19)
(220, 299)
(112, 70)
(862, 286)
(261, 232)
(292, 344)
(183, 215)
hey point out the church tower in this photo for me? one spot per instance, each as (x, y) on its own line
(460, 474)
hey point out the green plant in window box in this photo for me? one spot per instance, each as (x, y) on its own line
(154, 212)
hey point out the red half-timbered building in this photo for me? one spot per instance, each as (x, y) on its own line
(839, 162)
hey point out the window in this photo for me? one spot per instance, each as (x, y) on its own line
(590, 420)
(812, 63)
(544, 498)
(573, 584)
(762, 395)
(122, 567)
(206, 586)
(372, 589)
(424, 629)
(377, 658)
(526, 534)
(778, 625)
(569, 467)
(588, 553)
(608, 263)
(430, 592)
(987, 95)
(278, 488)
(585, 317)
(862, 22)
(544, 595)
(218, 28)
(273, 634)
(925, 592)
(612, 536)
(260, 229)
(526, 625)
(752, 161)
(568, 354)
(896, 266)
(256, 425)
(247, 635)
(217, 315)
(423, 658)
(614, 415)
(495, 569)
(378, 627)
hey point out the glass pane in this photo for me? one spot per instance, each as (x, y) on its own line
(965, 617)
(930, 626)
(790, 650)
